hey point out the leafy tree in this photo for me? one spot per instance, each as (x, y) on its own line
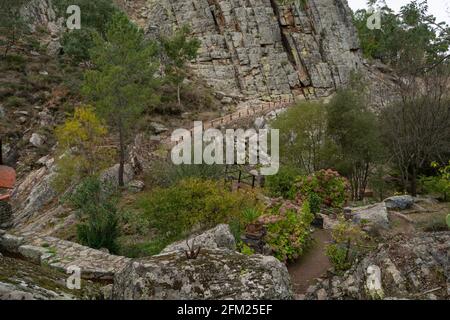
(96, 15)
(122, 83)
(97, 209)
(354, 129)
(179, 49)
(413, 34)
(303, 137)
(416, 128)
(12, 24)
(80, 145)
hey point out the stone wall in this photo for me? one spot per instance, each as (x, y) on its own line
(259, 49)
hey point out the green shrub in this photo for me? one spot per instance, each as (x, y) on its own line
(143, 249)
(95, 18)
(166, 174)
(282, 183)
(192, 204)
(338, 256)
(98, 212)
(324, 187)
(77, 44)
(439, 184)
(288, 231)
(349, 243)
(15, 62)
(436, 224)
(15, 102)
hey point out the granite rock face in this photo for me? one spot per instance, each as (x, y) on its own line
(214, 274)
(404, 268)
(261, 49)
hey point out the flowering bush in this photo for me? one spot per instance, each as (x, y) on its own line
(324, 187)
(288, 230)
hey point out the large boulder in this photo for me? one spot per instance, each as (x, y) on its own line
(399, 202)
(219, 237)
(214, 274)
(373, 216)
(415, 267)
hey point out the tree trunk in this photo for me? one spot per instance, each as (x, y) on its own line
(414, 182)
(179, 94)
(1, 153)
(121, 155)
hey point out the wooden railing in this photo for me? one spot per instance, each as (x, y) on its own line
(242, 113)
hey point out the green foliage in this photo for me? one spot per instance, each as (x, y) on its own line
(356, 133)
(99, 215)
(249, 215)
(15, 102)
(245, 249)
(439, 184)
(349, 243)
(15, 62)
(282, 183)
(324, 187)
(143, 249)
(80, 141)
(165, 173)
(191, 204)
(12, 24)
(448, 220)
(304, 143)
(288, 232)
(435, 224)
(122, 84)
(179, 49)
(413, 34)
(95, 17)
(77, 44)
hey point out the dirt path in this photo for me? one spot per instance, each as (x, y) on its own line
(312, 265)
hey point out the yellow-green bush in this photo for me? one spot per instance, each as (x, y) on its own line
(192, 204)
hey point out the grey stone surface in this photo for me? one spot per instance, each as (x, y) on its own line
(260, 49)
(23, 280)
(61, 254)
(219, 237)
(404, 264)
(37, 140)
(399, 202)
(373, 216)
(136, 186)
(111, 175)
(215, 274)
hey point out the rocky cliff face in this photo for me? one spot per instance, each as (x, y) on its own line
(261, 49)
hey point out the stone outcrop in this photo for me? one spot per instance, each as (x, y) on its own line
(22, 280)
(399, 202)
(214, 274)
(262, 49)
(403, 268)
(371, 216)
(60, 255)
(41, 13)
(219, 237)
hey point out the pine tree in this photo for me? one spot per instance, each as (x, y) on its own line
(123, 81)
